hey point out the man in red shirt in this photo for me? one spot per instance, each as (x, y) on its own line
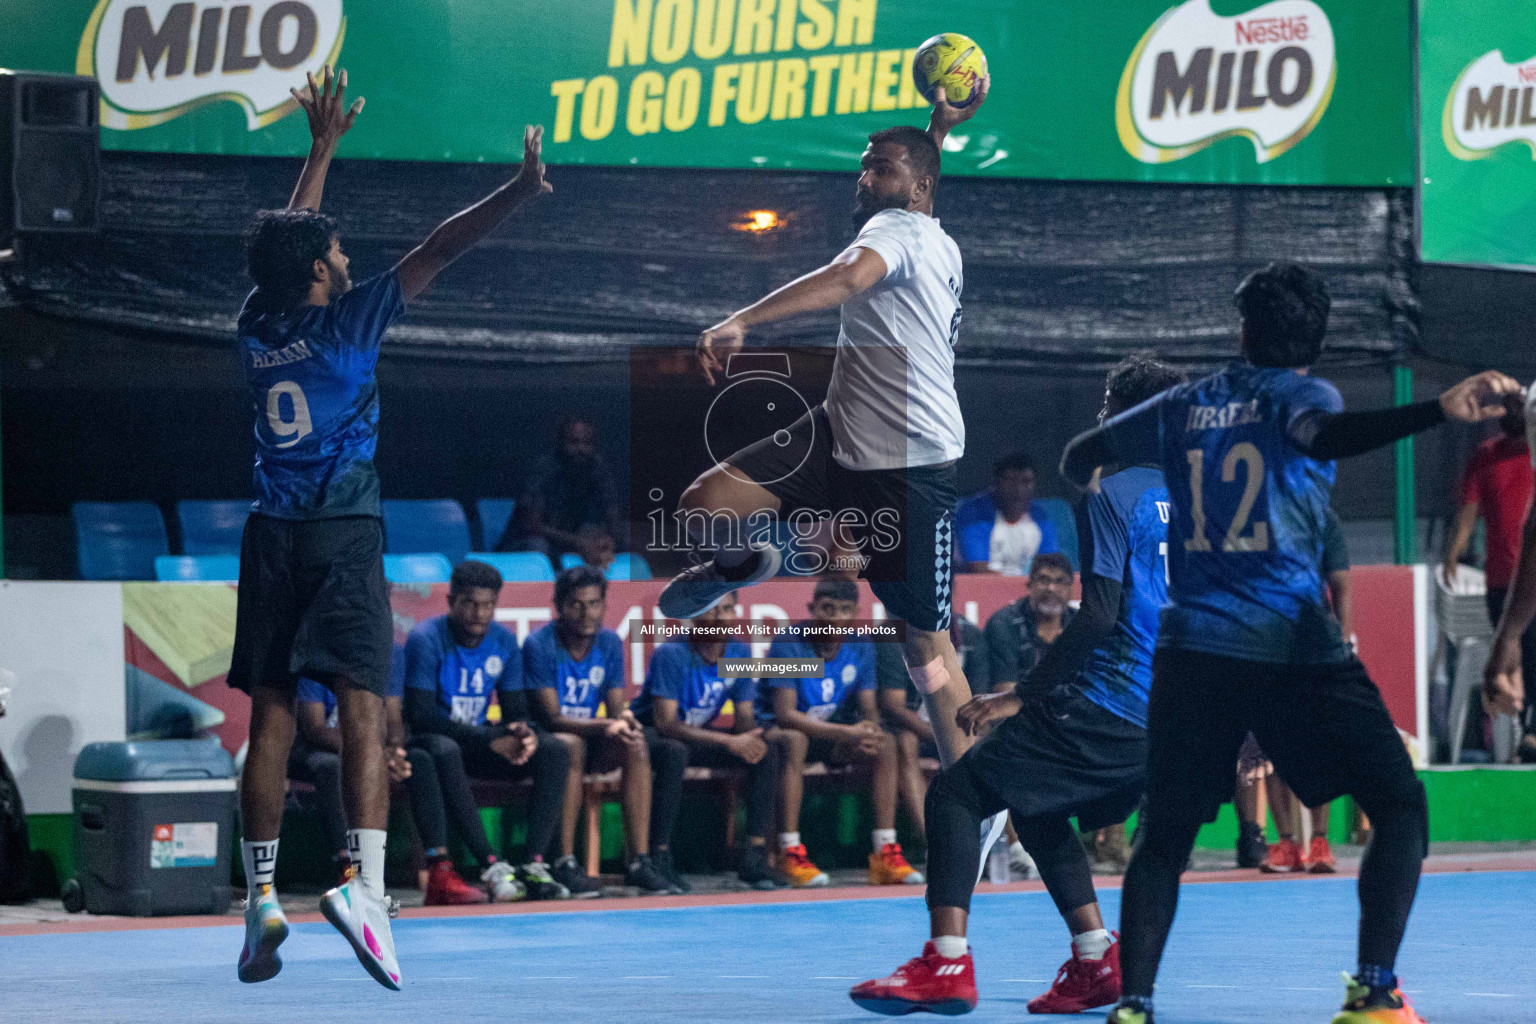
(1497, 484)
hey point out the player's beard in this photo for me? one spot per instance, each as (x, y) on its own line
(866, 204)
(341, 281)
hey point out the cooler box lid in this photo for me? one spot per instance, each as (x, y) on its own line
(155, 761)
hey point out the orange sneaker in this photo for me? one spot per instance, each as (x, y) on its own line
(889, 867)
(1284, 857)
(1319, 858)
(797, 867)
(1361, 1007)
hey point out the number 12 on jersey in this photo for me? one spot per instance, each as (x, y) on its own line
(1252, 459)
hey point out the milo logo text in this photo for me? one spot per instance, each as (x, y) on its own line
(1493, 103)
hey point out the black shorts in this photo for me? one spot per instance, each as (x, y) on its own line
(1324, 727)
(1062, 755)
(313, 602)
(903, 520)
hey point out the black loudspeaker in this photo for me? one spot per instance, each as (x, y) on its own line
(50, 154)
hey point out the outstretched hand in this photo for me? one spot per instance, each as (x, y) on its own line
(531, 178)
(946, 115)
(324, 104)
(1483, 396)
(718, 344)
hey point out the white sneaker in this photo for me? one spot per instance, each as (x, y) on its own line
(265, 930)
(501, 882)
(1021, 862)
(991, 829)
(363, 920)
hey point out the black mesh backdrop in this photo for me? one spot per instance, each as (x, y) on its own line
(1058, 274)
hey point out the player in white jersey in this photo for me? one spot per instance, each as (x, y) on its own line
(878, 457)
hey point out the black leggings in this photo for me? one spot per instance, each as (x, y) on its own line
(439, 789)
(667, 788)
(322, 769)
(548, 767)
(958, 800)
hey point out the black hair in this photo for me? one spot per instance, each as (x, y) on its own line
(470, 574)
(921, 149)
(281, 247)
(576, 577)
(1051, 560)
(1136, 378)
(836, 590)
(1285, 315)
(1014, 462)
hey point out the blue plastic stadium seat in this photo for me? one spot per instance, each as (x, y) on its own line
(118, 540)
(495, 514)
(628, 566)
(198, 568)
(418, 567)
(518, 566)
(570, 560)
(434, 525)
(1066, 526)
(212, 527)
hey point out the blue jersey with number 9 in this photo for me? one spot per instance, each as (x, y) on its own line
(309, 374)
(1249, 510)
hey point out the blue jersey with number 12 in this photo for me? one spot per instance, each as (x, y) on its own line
(1249, 511)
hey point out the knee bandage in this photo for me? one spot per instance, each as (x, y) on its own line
(930, 678)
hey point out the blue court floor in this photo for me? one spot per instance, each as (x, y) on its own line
(1241, 953)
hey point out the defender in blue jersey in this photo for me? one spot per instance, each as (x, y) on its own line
(684, 695)
(313, 599)
(1248, 644)
(573, 668)
(1070, 742)
(834, 717)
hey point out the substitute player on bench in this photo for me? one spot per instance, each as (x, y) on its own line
(1071, 742)
(313, 600)
(1247, 643)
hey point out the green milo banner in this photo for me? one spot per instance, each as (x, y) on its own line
(1477, 82)
(1287, 92)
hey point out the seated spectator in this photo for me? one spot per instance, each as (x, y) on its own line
(453, 664)
(1018, 634)
(570, 503)
(1497, 484)
(904, 715)
(573, 669)
(1003, 528)
(684, 693)
(804, 710)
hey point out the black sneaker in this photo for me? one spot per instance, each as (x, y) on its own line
(577, 882)
(642, 874)
(1251, 847)
(668, 868)
(536, 879)
(757, 872)
(700, 587)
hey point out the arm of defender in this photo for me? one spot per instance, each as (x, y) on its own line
(329, 119)
(1326, 436)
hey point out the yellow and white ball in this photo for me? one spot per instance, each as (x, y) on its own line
(951, 62)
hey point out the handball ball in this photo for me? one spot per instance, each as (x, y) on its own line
(952, 62)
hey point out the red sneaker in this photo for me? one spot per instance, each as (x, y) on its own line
(929, 982)
(1284, 857)
(446, 889)
(1320, 857)
(1083, 984)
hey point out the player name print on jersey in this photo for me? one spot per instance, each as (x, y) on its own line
(1233, 414)
(294, 353)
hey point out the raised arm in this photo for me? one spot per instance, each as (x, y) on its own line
(324, 104)
(853, 271)
(946, 116)
(464, 230)
(1326, 436)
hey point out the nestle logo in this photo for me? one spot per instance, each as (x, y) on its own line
(1258, 31)
(1527, 72)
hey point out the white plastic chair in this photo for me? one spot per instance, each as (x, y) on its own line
(1462, 611)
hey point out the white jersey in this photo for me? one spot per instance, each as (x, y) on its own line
(892, 401)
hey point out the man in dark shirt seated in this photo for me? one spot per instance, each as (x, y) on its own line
(570, 503)
(1019, 633)
(453, 663)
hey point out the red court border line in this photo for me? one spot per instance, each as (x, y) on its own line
(1434, 866)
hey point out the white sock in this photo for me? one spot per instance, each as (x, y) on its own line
(950, 947)
(882, 837)
(788, 839)
(1092, 945)
(260, 861)
(366, 846)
